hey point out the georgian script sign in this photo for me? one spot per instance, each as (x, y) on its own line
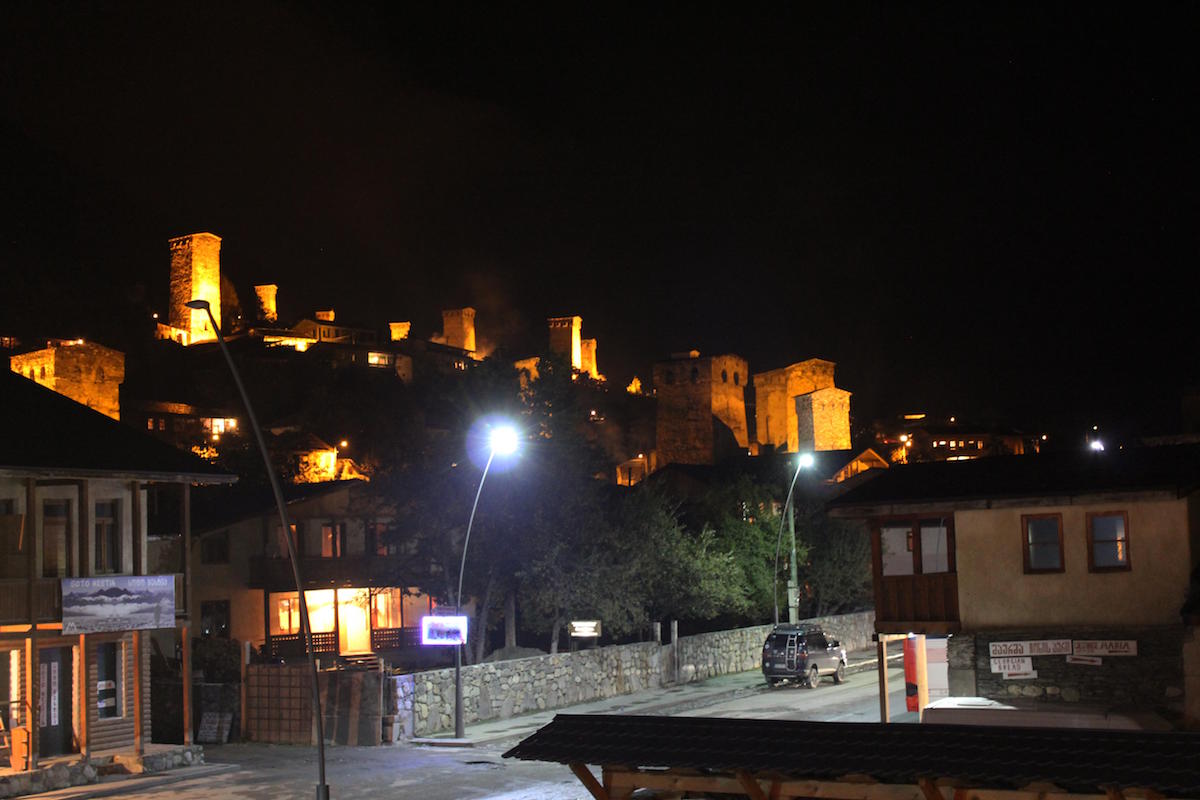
(1042, 647)
(1018, 664)
(1104, 647)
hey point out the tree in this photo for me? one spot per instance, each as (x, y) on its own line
(835, 575)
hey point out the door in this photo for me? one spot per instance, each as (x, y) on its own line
(56, 731)
(818, 651)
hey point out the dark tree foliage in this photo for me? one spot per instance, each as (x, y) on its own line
(835, 575)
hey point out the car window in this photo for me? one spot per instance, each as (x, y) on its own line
(817, 640)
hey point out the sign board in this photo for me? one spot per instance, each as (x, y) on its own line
(1017, 664)
(1020, 676)
(118, 603)
(443, 631)
(1093, 661)
(583, 629)
(1043, 647)
(1103, 647)
(214, 727)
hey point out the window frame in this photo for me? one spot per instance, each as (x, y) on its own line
(1089, 533)
(914, 522)
(108, 530)
(1026, 544)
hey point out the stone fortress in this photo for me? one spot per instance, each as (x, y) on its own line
(705, 407)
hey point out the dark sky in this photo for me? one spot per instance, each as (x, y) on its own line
(981, 209)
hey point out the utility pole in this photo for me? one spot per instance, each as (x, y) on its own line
(793, 589)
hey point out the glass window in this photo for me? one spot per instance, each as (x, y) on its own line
(56, 520)
(896, 546)
(935, 546)
(1108, 541)
(1043, 542)
(387, 608)
(333, 540)
(107, 541)
(110, 664)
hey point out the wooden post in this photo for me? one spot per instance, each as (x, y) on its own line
(81, 694)
(32, 706)
(139, 533)
(245, 659)
(675, 647)
(185, 513)
(139, 743)
(79, 564)
(185, 633)
(33, 541)
(881, 654)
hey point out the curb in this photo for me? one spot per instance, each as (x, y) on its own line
(137, 783)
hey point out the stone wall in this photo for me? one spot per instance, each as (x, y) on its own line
(1152, 679)
(424, 701)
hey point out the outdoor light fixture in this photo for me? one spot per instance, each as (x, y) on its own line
(804, 461)
(502, 440)
(1096, 444)
(322, 788)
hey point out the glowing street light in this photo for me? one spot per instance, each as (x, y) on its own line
(318, 717)
(804, 461)
(502, 440)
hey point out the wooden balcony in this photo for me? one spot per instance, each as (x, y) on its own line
(275, 574)
(291, 646)
(47, 600)
(917, 603)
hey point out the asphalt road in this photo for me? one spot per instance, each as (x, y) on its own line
(275, 772)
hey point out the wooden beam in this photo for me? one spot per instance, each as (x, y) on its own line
(139, 530)
(589, 781)
(33, 541)
(185, 667)
(81, 695)
(750, 785)
(881, 654)
(929, 789)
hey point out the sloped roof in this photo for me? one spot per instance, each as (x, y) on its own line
(1170, 468)
(221, 506)
(51, 435)
(1078, 760)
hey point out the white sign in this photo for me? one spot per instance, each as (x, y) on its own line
(1019, 664)
(1103, 647)
(1093, 661)
(443, 631)
(1043, 647)
(1020, 676)
(584, 628)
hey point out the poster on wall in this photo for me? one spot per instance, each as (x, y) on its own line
(118, 603)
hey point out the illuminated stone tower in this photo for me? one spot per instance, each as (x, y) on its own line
(265, 293)
(195, 275)
(458, 328)
(587, 358)
(798, 408)
(564, 338)
(701, 408)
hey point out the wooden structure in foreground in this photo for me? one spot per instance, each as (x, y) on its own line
(695, 757)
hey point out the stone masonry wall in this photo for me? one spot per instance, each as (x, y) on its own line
(1152, 679)
(498, 690)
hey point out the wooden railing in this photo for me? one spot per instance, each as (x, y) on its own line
(911, 602)
(291, 645)
(395, 638)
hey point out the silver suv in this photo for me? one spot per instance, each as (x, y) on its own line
(802, 653)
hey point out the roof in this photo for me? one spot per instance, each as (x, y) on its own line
(48, 434)
(1078, 760)
(220, 507)
(1174, 469)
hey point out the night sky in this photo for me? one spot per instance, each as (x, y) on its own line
(981, 209)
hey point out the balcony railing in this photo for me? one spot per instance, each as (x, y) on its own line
(275, 574)
(917, 603)
(47, 599)
(291, 645)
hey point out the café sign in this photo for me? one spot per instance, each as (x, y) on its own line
(1018, 664)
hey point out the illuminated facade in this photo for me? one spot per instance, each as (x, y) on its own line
(88, 373)
(195, 275)
(701, 408)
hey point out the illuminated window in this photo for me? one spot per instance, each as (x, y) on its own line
(288, 615)
(387, 608)
(1042, 542)
(107, 541)
(379, 359)
(333, 540)
(1108, 541)
(150, 423)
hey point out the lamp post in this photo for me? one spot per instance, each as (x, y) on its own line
(502, 440)
(803, 462)
(322, 788)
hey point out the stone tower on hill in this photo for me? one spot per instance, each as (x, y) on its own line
(458, 328)
(798, 408)
(701, 408)
(267, 310)
(195, 275)
(564, 338)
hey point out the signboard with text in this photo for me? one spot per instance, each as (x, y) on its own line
(442, 631)
(1041, 647)
(118, 603)
(584, 629)
(1105, 647)
(1018, 664)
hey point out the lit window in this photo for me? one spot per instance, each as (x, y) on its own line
(1042, 542)
(897, 550)
(1108, 541)
(935, 546)
(379, 359)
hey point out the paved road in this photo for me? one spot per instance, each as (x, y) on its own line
(275, 772)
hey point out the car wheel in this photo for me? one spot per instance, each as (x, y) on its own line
(773, 682)
(814, 677)
(840, 675)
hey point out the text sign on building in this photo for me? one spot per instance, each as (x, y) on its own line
(118, 603)
(1103, 647)
(584, 629)
(443, 631)
(1018, 664)
(1091, 661)
(1042, 647)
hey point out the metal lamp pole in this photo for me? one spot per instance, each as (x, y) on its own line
(805, 460)
(503, 440)
(322, 789)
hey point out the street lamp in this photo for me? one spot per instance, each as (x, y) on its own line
(502, 440)
(322, 788)
(803, 462)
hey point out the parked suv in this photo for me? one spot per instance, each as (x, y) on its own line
(802, 653)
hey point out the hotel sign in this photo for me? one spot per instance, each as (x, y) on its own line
(1041, 647)
(1103, 647)
(584, 629)
(118, 603)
